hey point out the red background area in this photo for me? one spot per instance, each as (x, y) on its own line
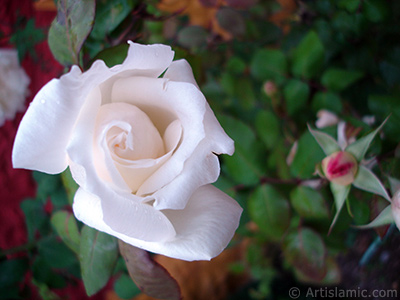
(17, 185)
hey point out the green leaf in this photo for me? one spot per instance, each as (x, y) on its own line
(44, 291)
(114, 55)
(47, 184)
(67, 228)
(269, 64)
(12, 273)
(308, 57)
(192, 37)
(328, 144)
(309, 203)
(349, 5)
(244, 165)
(270, 211)
(296, 94)
(69, 30)
(69, 184)
(152, 278)
(43, 272)
(360, 147)
(375, 10)
(305, 250)
(307, 156)
(339, 79)
(35, 217)
(125, 287)
(383, 106)
(26, 38)
(340, 193)
(236, 65)
(244, 91)
(390, 72)
(326, 100)
(268, 128)
(367, 181)
(332, 277)
(109, 14)
(98, 255)
(384, 218)
(55, 253)
(277, 159)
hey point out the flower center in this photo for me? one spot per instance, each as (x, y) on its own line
(129, 147)
(129, 132)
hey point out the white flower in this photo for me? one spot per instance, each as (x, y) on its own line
(13, 85)
(142, 149)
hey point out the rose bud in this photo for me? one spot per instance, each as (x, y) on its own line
(340, 167)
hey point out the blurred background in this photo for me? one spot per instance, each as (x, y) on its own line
(268, 68)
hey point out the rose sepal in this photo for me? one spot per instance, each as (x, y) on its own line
(340, 193)
(326, 142)
(384, 218)
(366, 180)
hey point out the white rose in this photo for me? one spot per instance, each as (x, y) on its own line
(142, 149)
(13, 85)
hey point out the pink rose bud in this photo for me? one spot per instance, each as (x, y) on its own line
(270, 88)
(340, 167)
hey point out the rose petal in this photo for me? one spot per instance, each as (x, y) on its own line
(180, 70)
(131, 219)
(85, 160)
(123, 212)
(200, 169)
(47, 125)
(165, 101)
(204, 227)
(136, 172)
(46, 128)
(152, 60)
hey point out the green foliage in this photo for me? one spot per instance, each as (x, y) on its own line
(309, 203)
(308, 57)
(296, 94)
(244, 165)
(308, 154)
(270, 211)
(341, 56)
(69, 30)
(67, 228)
(326, 100)
(35, 217)
(98, 255)
(109, 14)
(25, 39)
(269, 64)
(268, 128)
(338, 79)
(306, 251)
(11, 274)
